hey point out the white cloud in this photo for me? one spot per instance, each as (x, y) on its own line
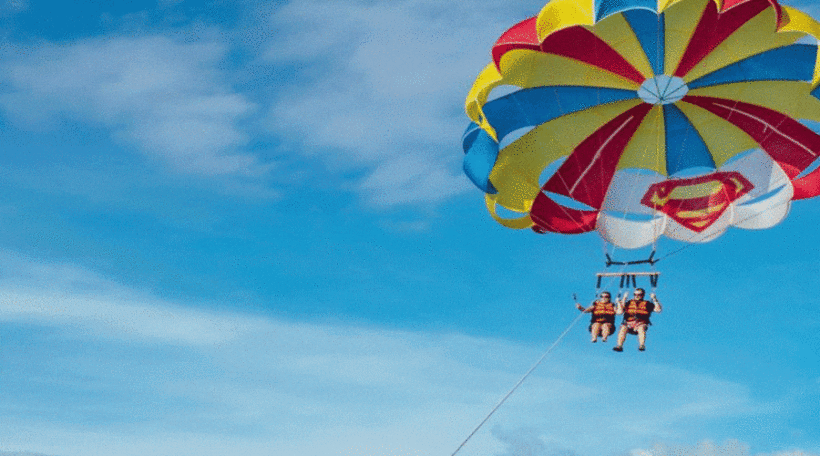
(374, 86)
(526, 442)
(412, 179)
(529, 442)
(166, 96)
(382, 85)
(730, 447)
(19, 453)
(794, 452)
(129, 373)
(67, 296)
(705, 448)
(8, 7)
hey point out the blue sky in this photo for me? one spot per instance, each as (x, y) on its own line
(242, 228)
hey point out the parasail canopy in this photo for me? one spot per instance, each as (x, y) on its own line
(646, 118)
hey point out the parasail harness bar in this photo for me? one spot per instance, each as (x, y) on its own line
(628, 278)
(650, 261)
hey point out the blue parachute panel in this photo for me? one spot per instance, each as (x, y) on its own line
(684, 147)
(763, 67)
(649, 28)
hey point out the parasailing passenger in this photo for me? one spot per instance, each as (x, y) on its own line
(636, 314)
(603, 316)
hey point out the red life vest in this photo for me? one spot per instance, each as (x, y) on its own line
(603, 312)
(638, 310)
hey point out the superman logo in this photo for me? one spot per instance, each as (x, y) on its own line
(698, 202)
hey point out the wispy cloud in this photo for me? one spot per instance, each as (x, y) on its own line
(708, 448)
(19, 453)
(67, 296)
(529, 442)
(381, 85)
(372, 87)
(8, 7)
(167, 97)
(142, 374)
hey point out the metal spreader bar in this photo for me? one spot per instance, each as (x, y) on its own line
(651, 260)
(628, 278)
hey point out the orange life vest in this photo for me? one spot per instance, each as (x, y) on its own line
(638, 310)
(603, 312)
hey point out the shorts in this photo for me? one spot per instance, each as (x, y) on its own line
(606, 323)
(633, 326)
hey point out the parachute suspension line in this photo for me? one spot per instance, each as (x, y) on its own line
(603, 241)
(504, 399)
(653, 279)
(610, 281)
(630, 279)
(659, 155)
(626, 279)
(633, 192)
(562, 114)
(659, 150)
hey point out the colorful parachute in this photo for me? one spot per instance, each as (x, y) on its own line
(642, 118)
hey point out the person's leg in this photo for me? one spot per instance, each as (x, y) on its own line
(642, 337)
(595, 329)
(621, 339)
(606, 330)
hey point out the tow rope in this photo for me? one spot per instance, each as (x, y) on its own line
(501, 402)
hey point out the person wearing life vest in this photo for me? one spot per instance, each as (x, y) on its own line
(636, 314)
(603, 317)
